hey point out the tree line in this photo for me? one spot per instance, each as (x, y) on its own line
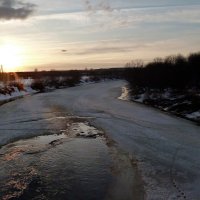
(176, 72)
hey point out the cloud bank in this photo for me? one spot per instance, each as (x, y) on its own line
(15, 9)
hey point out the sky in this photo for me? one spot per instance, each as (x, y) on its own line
(79, 34)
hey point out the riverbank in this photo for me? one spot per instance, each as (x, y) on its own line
(11, 93)
(184, 104)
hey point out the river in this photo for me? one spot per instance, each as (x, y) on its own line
(137, 153)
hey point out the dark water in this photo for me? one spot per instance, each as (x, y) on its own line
(55, 167)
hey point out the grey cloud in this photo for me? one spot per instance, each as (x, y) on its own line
(105, 5)
(98, 5)
(102, 50)
(108, 49)
(88, 5)
(15, 9)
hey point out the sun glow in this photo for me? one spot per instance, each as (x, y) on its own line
(10, 57)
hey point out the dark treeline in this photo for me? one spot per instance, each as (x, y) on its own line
(58, 79)
(99, 74)
(51, 74)
(39, 75)
(53, 79)
(176, 72)
(96, 74)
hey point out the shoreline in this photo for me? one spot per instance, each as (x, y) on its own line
(126, 96)
(172, 114)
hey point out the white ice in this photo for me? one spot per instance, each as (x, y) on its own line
(167, 148)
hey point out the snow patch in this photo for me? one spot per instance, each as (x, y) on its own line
(125, 94)
(81, 129)
(194, 115)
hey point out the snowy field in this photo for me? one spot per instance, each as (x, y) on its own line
(167, 149)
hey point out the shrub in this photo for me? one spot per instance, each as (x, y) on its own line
(38, 85)
(18, 85)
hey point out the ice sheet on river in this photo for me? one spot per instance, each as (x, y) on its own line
(167, 148)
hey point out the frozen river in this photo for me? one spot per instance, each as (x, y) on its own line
(139, 148)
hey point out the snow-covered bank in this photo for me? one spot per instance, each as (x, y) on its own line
(15, 89)
(15, 94)
(167, 148)
(185, 104)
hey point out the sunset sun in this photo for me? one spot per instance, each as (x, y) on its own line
(10, 57)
